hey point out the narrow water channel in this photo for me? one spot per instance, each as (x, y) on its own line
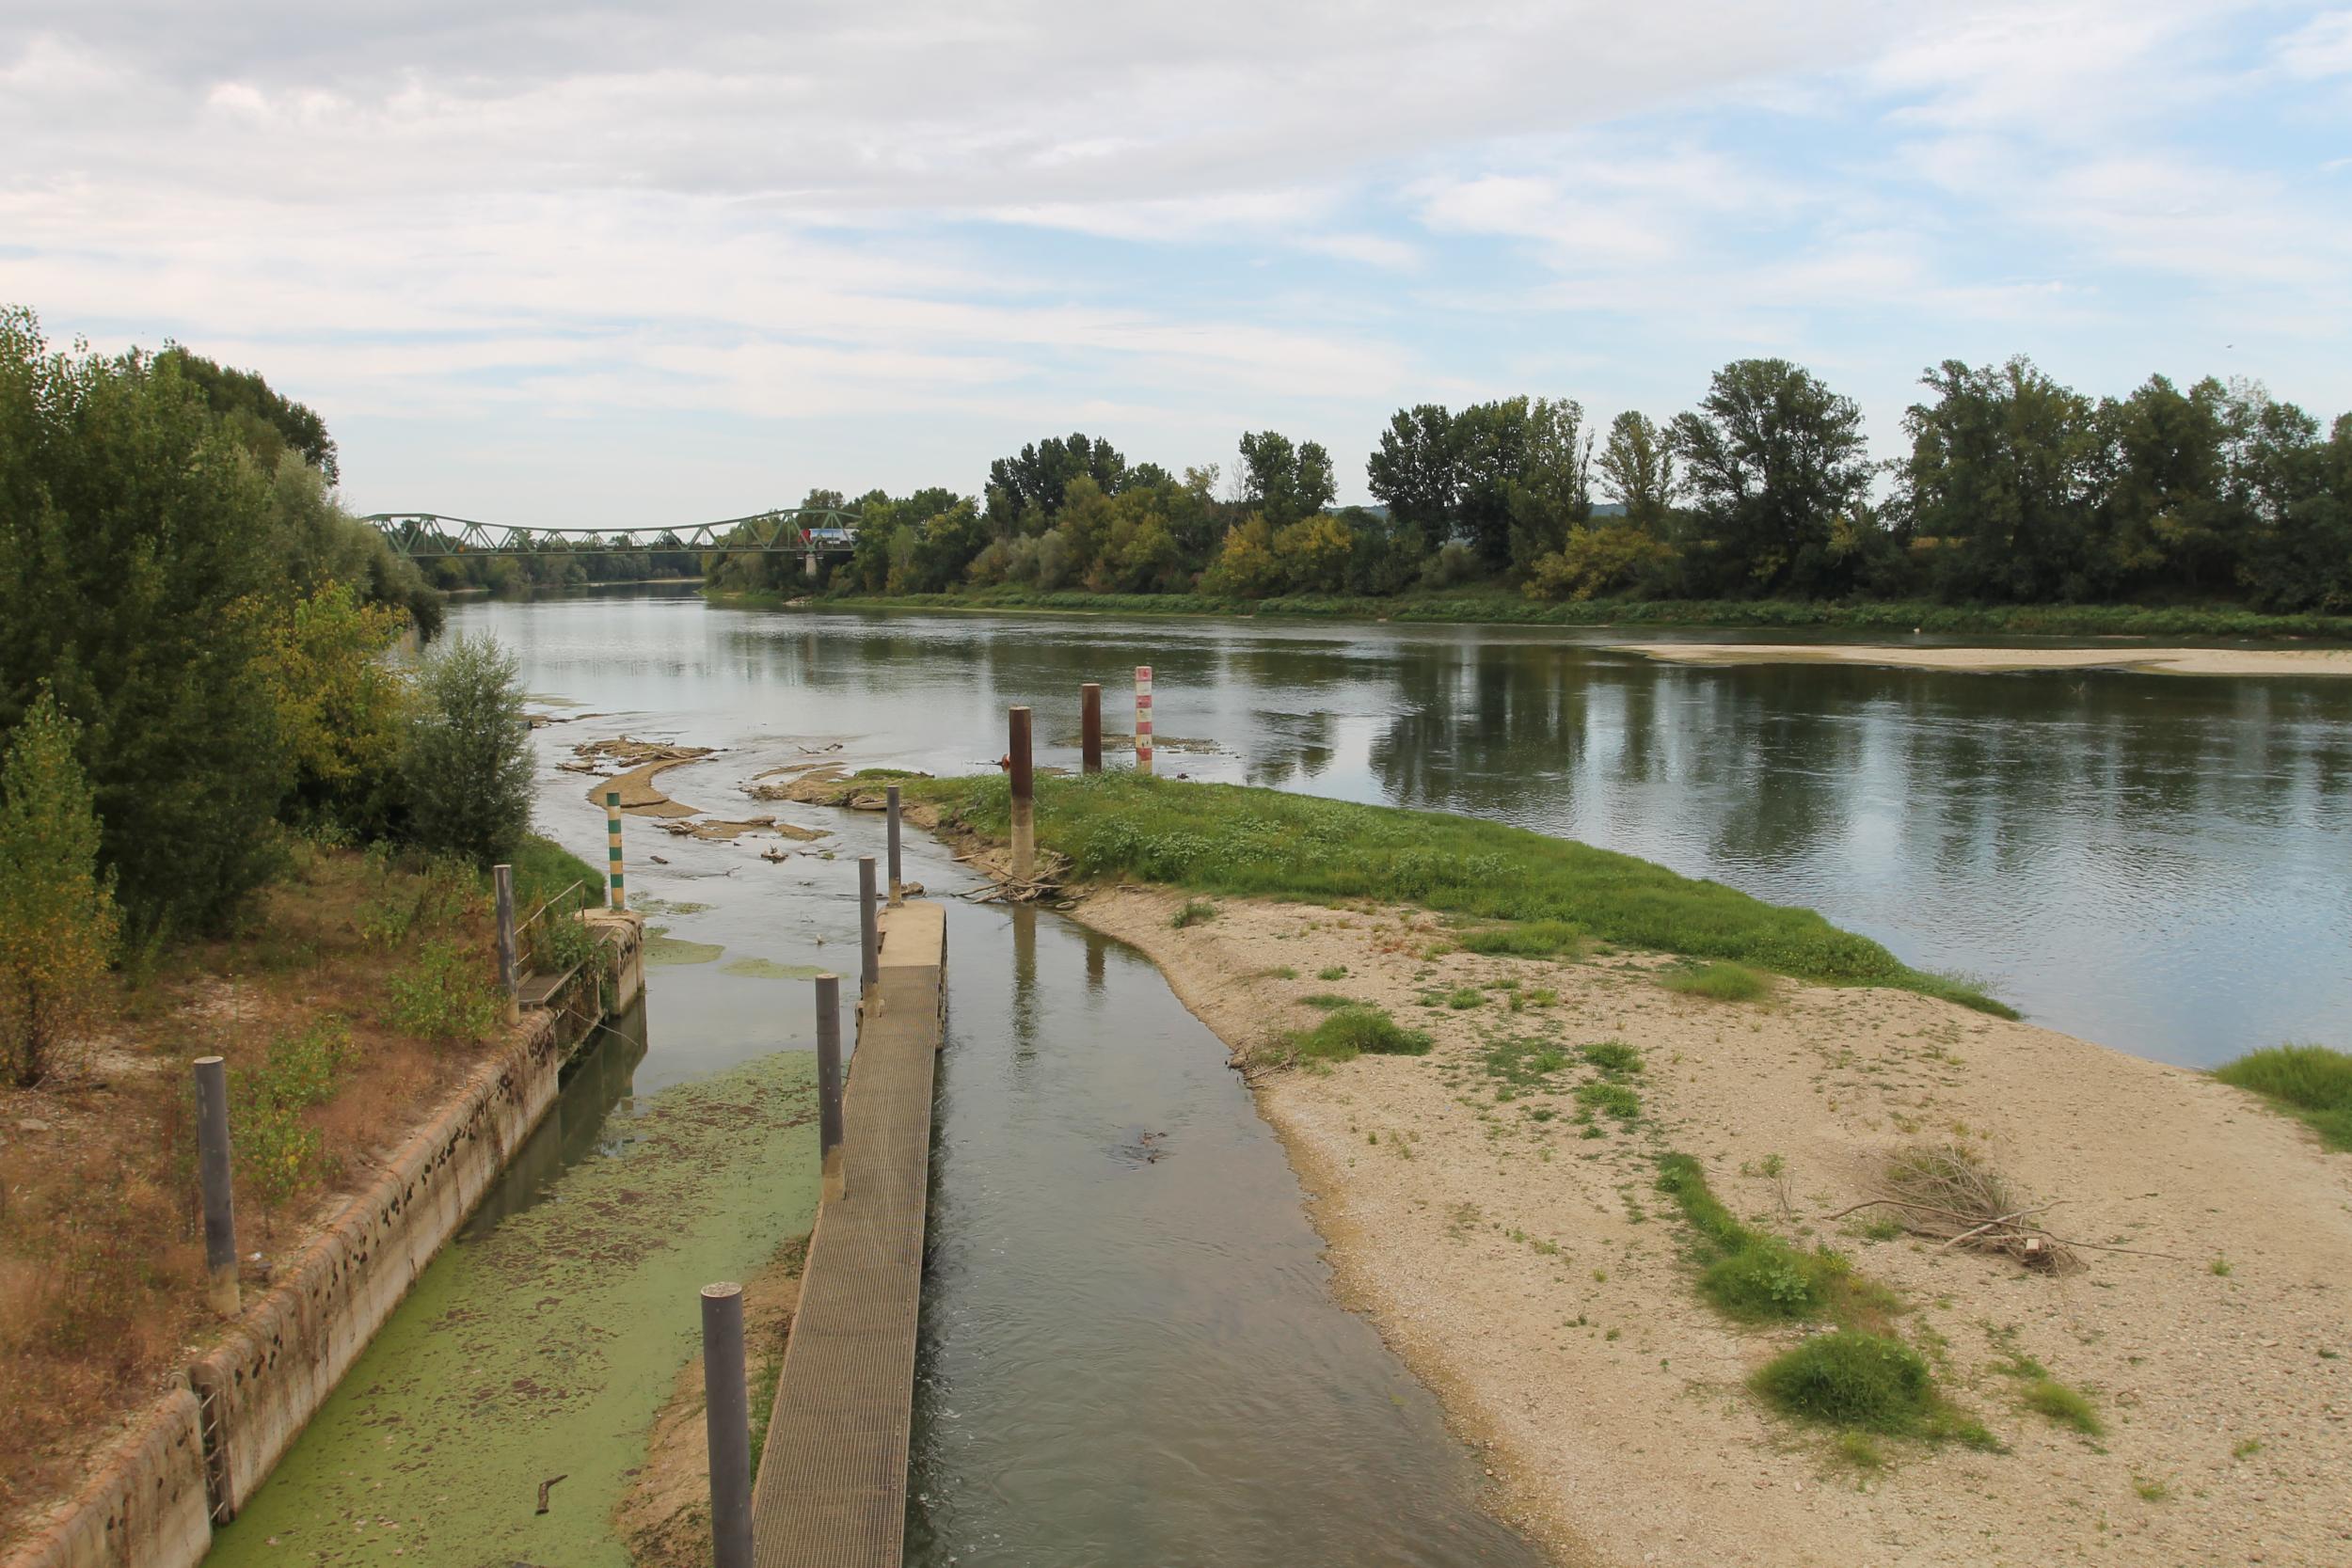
(1130, 1351)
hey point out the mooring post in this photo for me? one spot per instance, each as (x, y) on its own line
(502, 879)
(727, 1416)
(1143, 719)
(615, 899)
(1091, 727)
(829, 1085)
(1024, 800)
(898, 883)
(868, 930)
(212, 1166)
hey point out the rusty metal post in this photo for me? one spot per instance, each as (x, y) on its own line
(212, 1166)
(829, 1085)
(1024, 800)
(728, 1421)
(868, 930)
(1091, 727)
(503, 878)
(898, 883)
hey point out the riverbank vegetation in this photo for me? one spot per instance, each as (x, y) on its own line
(2022, 505)
(2310, 1083)
(233, 819)
(1236, 840)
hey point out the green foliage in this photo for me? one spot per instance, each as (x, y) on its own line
(1610, 1099)
(1197, 911)
(342, 711)
(1755, 1277)
(2310, 1082)
(1853, 1379)
(1613, 1057)
(1334, 972)
(1594, 561)
(1231, 839)
(446, 993)
(1353, 1031)
(468, 761)
(134, 571)
(278, 1153)
(1774, 462)
(60, 925)
(1719, 982)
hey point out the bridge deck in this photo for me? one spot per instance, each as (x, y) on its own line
(832, 1491)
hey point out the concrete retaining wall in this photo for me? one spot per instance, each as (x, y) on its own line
(151, 1503)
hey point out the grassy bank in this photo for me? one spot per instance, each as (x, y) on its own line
(1235, 840)
(2310, 1083)
(1507, 607)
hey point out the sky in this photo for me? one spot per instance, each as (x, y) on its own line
(552, 264)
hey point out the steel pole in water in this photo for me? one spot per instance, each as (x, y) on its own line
(1143, 719)
(211, 1163)
(502, 879)
(1024, 800)
(727, 1416)
(1091, 727)
(829, 1085)
(898, 883)
(613, 849)
(869, 928)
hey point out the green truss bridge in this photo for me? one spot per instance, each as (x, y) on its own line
(802, 531)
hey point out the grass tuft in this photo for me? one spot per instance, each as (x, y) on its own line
(1853, 1379)
(1358, 1031)
(1719, 982)
(1534, 939)
(1195, 912)
(2309, 1082)
(2062, 1405)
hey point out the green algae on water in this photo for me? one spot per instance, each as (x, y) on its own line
(544, 1347)
(662, 948)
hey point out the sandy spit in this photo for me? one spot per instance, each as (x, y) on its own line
(2167, 662)
(1534, 1277)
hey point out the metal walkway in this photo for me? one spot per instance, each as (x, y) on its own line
(832, 1491)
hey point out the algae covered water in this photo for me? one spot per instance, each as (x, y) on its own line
(539, 1344)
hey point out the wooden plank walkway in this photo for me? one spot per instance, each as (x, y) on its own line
(832, 1491)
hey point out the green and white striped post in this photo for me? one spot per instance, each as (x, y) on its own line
(615, 898)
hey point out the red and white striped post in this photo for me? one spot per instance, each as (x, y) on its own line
(1143, 719)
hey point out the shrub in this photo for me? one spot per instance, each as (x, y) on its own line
(445, 994)
(1853, 1379)
(1719, 982)
(467, 763)
(1196, 911)
(2311, 1081)
(58, 935)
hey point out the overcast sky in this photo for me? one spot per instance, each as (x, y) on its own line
(541, 264)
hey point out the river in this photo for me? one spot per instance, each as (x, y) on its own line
(1129, 1352)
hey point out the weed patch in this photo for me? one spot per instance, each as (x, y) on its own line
(1195, 912)
(1851, 1379)
(2308, 1082)
(1717, 982)
(1355, 1031)
(1534, 939)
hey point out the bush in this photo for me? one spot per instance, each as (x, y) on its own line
(2310, 1081)
(446, 995)
(58, 935)
(1853, 1379)
(467, 763)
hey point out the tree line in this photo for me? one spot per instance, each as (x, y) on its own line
(193, 670)
(2015, 490)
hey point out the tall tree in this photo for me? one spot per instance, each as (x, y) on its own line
(1026, 490)
(265, 421)
(2000, 482)
(2167, 517)
(135, 562)
(1413, 471)
(1548, 491)
(1283, 481)
(1637, 471)
(1774, 461)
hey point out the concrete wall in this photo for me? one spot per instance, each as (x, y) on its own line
(147, 1505)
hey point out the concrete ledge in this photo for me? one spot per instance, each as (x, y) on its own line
(147, 1504)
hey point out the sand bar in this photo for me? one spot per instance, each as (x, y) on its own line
(2167, 662)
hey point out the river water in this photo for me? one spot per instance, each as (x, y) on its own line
(1129, 1353)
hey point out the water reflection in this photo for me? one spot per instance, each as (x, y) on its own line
(2156, 862)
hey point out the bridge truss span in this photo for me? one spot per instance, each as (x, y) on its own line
(788, 531)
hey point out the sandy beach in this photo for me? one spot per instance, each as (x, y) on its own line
(2165, 661)
(1536, 1279)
